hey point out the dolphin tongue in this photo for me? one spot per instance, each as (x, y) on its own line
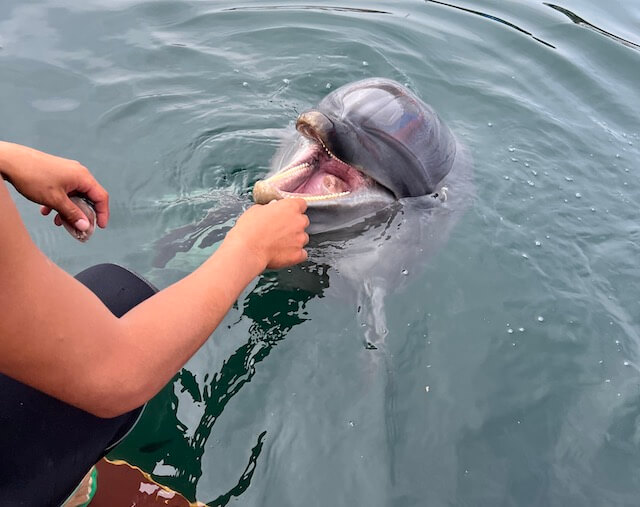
(323, 182)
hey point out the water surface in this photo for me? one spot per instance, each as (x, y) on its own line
(509, 373)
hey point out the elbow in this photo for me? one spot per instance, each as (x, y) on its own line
(113, 406)
(111, 411)
(111, 397)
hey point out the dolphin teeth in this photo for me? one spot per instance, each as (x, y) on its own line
(326, 196)
(291, 171)
(331, 154)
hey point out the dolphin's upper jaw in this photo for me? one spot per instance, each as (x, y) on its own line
(315, 175)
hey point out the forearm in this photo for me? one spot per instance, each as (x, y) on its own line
(106, 365)
(167, 329)
(11, 155)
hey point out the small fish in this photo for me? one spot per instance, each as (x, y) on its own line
(87, 207)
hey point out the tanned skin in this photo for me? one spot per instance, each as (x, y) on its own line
(58, 337)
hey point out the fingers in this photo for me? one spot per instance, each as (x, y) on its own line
(298, 203)
(45, 210)
(70, 213)
(98, 195)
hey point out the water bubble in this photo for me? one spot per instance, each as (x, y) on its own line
(405, 272)
(245, 84)
(568, 178)
(236, 71)
(286, 81)
(514, 159)
(521, 329)
(538, 243)
(351, 424)
(618, 395)
(526, 164)
(328, 86)
(427, 388)
(489, 124)
(540, 318)
(578, 195)
(593, 209)
(607, 381)
(512, 149)
(525, 256)
(531, 183)
(506, 177)
(601, 361)
(617, 155)
(365, 63)
(510, 331)
(548, 237)
(626, 363)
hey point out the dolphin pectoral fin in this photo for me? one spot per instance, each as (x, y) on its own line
(373, 315)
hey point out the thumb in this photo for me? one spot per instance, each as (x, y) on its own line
(73, 215)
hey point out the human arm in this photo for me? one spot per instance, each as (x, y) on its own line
(56, 335)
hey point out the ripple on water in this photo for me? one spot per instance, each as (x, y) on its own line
(176, 105)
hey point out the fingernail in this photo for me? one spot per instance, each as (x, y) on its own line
(81, 224)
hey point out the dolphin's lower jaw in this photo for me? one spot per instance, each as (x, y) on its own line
(315, 175)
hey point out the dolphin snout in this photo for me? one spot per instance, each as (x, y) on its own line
(314, 125)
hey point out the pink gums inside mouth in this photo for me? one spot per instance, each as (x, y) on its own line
(317, 173)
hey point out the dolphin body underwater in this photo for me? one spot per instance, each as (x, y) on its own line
(385, 181)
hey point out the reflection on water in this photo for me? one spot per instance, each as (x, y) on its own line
(274, 307)
(493, 18)
(308, 7)
(579, 21)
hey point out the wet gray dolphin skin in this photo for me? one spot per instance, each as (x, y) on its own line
(366, 145)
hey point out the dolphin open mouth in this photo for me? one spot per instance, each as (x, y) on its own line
(315, 175)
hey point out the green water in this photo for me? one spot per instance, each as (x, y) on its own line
(509, 374)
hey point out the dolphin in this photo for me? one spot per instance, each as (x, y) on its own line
(385, 181)
(365, 146)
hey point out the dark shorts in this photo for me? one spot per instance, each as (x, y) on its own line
(47, 446)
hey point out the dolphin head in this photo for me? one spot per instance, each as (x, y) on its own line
(364, 146)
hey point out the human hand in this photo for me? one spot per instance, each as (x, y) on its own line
(50, 181)
(274, 232)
